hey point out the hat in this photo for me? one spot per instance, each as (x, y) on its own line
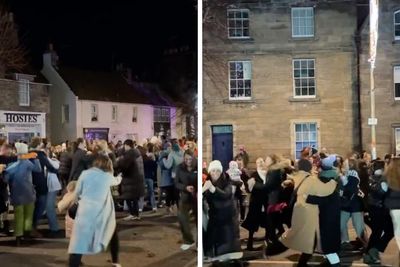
(233, 165)
(304, 165)
(21, 148)
(215, 165)
(328, 162)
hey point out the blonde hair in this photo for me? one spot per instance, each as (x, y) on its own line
(104, 163)
(392, 173)
(71, 186)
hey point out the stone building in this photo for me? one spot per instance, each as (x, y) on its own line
(387, 81)
(281, 75)
(24, 107)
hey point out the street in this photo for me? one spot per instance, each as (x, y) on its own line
(151, 242)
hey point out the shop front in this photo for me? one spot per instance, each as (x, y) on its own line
(22, 126)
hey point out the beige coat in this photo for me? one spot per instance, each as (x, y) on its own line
(305, 219)
(65, 203)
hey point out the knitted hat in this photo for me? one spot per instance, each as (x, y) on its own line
(215, 165)
(328, 162)
(21, 148)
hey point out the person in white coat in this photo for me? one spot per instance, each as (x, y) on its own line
(95, 223)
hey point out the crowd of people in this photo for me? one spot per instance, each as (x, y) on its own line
(304, 205)
(89, 181)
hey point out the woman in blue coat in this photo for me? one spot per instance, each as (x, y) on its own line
(95, 224)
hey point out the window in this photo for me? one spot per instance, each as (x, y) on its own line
(397, 140)
(238, 23)
(65, 113)
(240, 80)
(114, 113)
(134, 114)
(94, 112)
(302, 22)
(396, 79)
(24, 98)
(162, 115)
(306, 136)
(397, 25)
(304, 77)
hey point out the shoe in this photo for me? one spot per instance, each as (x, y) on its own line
(187, 246)
(128, 218)
(116, 265)
(346, 246)
(136, 218)
(274, 248)
(372, 257)
(229, 256)
(34, 234)
(154, 210)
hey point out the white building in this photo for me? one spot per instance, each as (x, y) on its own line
(94, 104)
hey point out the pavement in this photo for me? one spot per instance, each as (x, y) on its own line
(290, 257)
(154, 241)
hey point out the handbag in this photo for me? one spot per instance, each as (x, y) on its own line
(73, 210)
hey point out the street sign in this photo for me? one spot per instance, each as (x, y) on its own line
(372, 121)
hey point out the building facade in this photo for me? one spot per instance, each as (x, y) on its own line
(101, 105)
(24, 108)
(387, 81)
(279, 77)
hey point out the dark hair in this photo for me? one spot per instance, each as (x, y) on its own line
(129, 142)
(35, 142)
(304, 165)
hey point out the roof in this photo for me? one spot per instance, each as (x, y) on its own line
(112, 87)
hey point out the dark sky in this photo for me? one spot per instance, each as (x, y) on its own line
(93, 34)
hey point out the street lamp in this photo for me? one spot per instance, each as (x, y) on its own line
(373, 42)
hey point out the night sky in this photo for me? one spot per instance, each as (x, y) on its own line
(97, 35)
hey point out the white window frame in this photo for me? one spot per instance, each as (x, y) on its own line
(94, 112)
(305, 19)
(396, 37)
(134, 114)
(317, 139)
(307, 77)
(235, 19)
(64, 114)
(396, 79)
(242, 79)
(24, 90)
(163, 116)
(397, 140)
(114, 113)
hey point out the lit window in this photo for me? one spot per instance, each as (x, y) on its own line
(397, 25)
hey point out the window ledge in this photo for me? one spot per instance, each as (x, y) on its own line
(241, 101)
(296, 39)
(241, 40)
(298, 99)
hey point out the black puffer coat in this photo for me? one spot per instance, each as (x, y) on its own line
(222, 235)
(132, 184)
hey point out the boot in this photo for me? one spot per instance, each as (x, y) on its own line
(7, 230)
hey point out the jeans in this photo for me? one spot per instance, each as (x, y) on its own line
(40, 207)
(395, 214)
(23, 219)
(51, 210)
(358, 224)
(149, 183)
(184, 220)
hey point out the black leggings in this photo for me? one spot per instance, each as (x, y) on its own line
(170, 195)
(75, 259)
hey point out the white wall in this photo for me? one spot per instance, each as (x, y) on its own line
(121, 129)
(60, 94)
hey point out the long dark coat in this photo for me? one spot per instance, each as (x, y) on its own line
(256, 216)
(222, 235)
(329, 215)
(132, 184)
